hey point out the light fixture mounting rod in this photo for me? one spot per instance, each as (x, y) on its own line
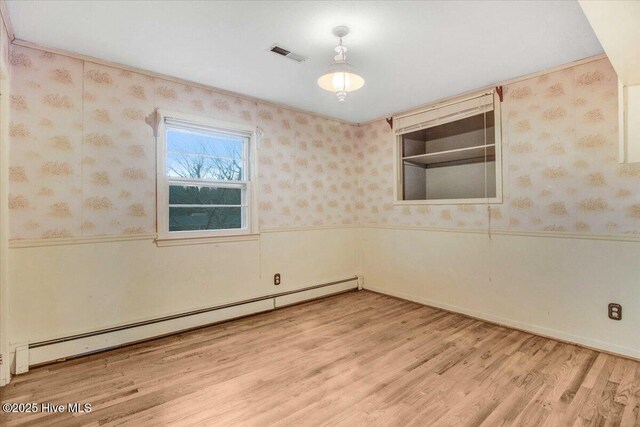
(341, 31)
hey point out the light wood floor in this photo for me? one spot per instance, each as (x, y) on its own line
(353, 359)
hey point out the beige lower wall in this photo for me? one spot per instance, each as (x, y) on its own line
(555, 286)
(56, 291)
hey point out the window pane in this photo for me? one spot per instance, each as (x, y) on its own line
(193, 219)
(205, 155)
(181, 165)
(192, 195)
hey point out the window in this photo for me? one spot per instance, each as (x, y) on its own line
(204, 178)
(450, 153)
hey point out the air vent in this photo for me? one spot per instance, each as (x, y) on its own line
(287, 53)
(280, 51)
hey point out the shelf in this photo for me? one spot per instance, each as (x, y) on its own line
(452, 155)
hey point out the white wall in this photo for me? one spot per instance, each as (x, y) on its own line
(461, 181)
(62, 290)
(555, 286)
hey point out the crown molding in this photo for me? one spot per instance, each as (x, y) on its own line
(4, 13)
(503, 83)
(24, 43)
(94, 60)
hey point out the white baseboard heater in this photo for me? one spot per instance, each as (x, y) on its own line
(103, 339)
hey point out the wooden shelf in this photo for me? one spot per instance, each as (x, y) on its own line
(452, 155)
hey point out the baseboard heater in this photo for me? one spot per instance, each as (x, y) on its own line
(75, 345)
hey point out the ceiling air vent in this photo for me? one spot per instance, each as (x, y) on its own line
(287, 53)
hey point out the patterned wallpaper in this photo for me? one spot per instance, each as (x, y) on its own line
(305, 170)
(83, 158)
(4, 51)
(560, 168)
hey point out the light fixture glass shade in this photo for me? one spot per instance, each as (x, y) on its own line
(341, 78)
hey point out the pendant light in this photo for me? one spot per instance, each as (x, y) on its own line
(341, 77)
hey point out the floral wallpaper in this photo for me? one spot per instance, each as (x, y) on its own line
(83, 158)
(45, 137)
(560, 167)
(305, 169)
(4, 52)
(118, 153)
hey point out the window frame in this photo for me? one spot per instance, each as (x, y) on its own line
(397, 150)
(163, 181)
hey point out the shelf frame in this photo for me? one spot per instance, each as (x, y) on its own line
(399, 161)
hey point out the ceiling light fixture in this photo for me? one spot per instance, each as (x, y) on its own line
(341, 77)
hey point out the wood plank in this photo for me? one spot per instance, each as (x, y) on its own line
(358, 358)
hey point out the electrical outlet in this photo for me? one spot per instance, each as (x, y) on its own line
(276, 279)
(615, 311)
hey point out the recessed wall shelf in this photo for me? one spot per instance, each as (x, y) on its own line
(450, 153)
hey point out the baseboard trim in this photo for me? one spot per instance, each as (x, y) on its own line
(194, 328)
(312, 294)
(46, 351)
(554, 334)
(60, 351)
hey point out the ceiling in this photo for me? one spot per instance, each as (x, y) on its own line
(410, 53)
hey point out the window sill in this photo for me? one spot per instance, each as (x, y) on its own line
(182, 241)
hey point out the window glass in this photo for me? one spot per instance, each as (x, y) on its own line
(194, 218)
(205, 155)
(207, 179)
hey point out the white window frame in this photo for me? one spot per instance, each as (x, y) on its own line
(435, 115)
(250, 220)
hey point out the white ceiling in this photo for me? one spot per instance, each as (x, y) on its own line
(410, 53)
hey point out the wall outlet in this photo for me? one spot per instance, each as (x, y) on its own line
(276, 279)
(615, 311)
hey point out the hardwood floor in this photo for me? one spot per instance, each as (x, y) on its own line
(357, 358)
